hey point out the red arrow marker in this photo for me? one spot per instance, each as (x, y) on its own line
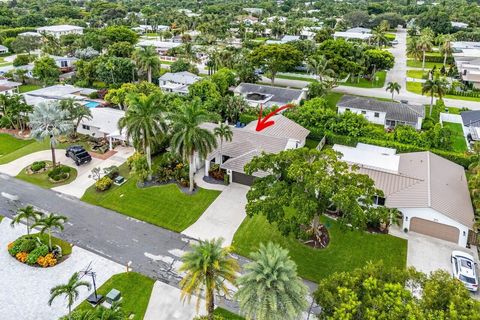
(265, 123)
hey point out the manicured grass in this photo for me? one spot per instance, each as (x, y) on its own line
(42, 180)
(166, 62)
(347, 249)
(311, 144)
(1, 218)
(135, 289)
(416, 87)
(28, 87)
(364, 83)
(418, 64)
(418, 74)
(9, 144)
(165, 206)
(227, 315)
(459, 143)
(66, 247)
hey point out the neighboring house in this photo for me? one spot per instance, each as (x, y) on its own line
(60, 30)
(161, 47)
(467, 60)
(144, 28)
(431, 192)
(388, 114)
(459, 25)
(247, 143)
(280, 19)
(257, 11)
(3, 49)
(285, 39)
(9, 87)
(29, 34)
(269, 96)
(360, 30)
(354, 33)
(66, 64)
(103, 124)
(249, 20)
(60, 92)
(177, 82)
(471, 122)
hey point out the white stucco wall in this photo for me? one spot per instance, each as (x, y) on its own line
(433, 215)
(94, 131)
(369, 115)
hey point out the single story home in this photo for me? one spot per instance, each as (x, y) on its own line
(145, 28)
(247, 143)
(3, 49)
(60, 30)
(388, 114)
(359, 34)
(66, 64)
(60, 92)
(177, 82)
(459, 25)
(103, 124)
(471, 124)
(161, 47)
(285, 39)
(431, 192)
(268, 96)
(9, 87)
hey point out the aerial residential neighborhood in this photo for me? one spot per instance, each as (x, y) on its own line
(239, 160)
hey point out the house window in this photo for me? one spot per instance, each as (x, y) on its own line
(63, 64)
(364, 112)
(376, 115)
(347, 109)
(379, 201)
(85, 127)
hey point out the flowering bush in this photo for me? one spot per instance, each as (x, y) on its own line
(21, 256)
(47, 261)
(103, 184)
(30, 249)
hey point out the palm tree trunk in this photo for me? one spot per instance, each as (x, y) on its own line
(431, 105)
(190, 173)
(50, 239)
(149, 74)
(221, 154)
(393, 92)
(69, 311)
(423, 61)
(53, 155)
(210, 304)
(445, 59)
(149, 162)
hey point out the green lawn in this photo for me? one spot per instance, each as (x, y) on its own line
(135, 289)
(418, 74)
(347, 249)
(28, 87)
(418, 64)
(364, 83)
(42, 180)
(9, 144)
(227, 315)
(459, 143)
(416, 87)
(289, 77)
(166, 62)
(165, 206)
(311, 144)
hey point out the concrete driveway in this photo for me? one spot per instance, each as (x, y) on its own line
(223, 217)
(77, 187)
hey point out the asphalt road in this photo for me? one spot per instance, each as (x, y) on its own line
(153, 251)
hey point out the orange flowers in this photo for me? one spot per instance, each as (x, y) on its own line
(21, 256)
(47, 261)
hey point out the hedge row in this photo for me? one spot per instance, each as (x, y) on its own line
(439, 59)
(472, 94)
(460, 158)
(13, 32)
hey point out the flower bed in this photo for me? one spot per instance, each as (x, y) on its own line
(33, 250)
(59, 174)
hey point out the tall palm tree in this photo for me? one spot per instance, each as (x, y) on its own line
(188, 137)
(318, 65)
(270, 289)
(446, 47)
(147, 60)
(435, 87)
(379, 36)
(69, 290)
(76, 111)
(207, 266)
(425, 44)
(392, 87)
(48, 120)
(144, 122)
(413, 49)
(26, 214)
(49, 222)
(224, 132)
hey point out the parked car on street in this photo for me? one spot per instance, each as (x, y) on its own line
(78, 154)
(464, 269)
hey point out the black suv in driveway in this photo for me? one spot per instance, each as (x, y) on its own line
(78, 154)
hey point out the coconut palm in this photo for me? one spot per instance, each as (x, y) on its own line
(188, 137)
(392, 87)
(144, 122)
(413, 49)
(69, 290)
(49, 222)
(425, 44)
(379, 36)
(224, 132)
(48, 120)
(318, 65)
(270, 288)
(26, 214)
(446, 47)
(76, 111)
(207, 266)
(147, 60)
(435, 87)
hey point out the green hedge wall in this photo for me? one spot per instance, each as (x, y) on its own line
(13, 32)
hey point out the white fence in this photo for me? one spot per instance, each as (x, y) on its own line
(455, 118)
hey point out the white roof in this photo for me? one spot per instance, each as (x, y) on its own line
(459, 24)
(105, 119)
(59, 28)
(183, 77)
(30, 33)
(158, 44)
(465, 44)
(359, 30)
(352, 35)
(370, 157)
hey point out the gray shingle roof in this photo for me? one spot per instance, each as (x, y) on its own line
(471, 118)
(394, 110)
(281, 96)
(183, 77)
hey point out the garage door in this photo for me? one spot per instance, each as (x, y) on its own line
(242, 178)
(435, 229)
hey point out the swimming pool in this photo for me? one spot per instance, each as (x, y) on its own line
(92, 104)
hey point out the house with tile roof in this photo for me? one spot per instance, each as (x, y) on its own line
(431, 192)
(247, 143)
(177, 82)
(388, 114)
(268, 96)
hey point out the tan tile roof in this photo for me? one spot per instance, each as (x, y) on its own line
(283, 127)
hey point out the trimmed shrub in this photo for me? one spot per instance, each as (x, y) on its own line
(33, 256)
(247, 118)
(112, 172)
(38, 165)
(103, 184)
(28, 245)
(59, 173)
(21, 60)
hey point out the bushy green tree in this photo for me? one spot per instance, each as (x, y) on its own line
(46, 70)
(274, 58)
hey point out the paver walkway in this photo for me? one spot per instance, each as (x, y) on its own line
(26, 290)
(223, 217)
